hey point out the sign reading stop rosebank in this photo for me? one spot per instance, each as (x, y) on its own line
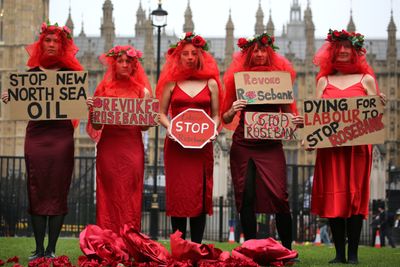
(193, 128)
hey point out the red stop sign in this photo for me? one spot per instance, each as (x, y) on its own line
(193, 128)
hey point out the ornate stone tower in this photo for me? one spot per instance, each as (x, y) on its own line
(140, 26)
(351, 27)
(24, 18)
(149, 60)
(270, 24)
(107, 25)
(392, 110)
(259, 27)
(70, 23)
(189, 25)
(295, 27)
(229, 42)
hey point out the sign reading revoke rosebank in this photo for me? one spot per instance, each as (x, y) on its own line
(264, 87)
(125, 111)
(50, 95)
(343, 122)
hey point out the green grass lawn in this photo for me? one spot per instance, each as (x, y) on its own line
(309, 255)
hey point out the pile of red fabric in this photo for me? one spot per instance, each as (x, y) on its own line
(105, 248)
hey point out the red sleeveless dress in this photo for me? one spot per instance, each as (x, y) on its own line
(119, 172)
(341, 175)
(188, 172)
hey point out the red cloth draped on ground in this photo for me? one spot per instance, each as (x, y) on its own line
(102, 246)
(142, 248)
(341, 175)
(265, 252)
(186, 250)
(119, 166)
(188, 172)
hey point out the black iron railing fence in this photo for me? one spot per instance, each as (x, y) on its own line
(14, 220)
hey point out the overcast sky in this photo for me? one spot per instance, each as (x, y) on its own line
(371, 17)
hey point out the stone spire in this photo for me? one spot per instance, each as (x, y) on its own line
(295, 12)
(82, 33)
(229, 41)
(391, 53)
(270, 24)
(70, 23)
(189, 25)
(107, 25)
(259, 27)
(351, 27)
(148, 52)
(140, 21)
(310, 29)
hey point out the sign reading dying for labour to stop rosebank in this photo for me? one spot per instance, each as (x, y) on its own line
(46, 95)
(125, 111)
(193, 128)
(343, 122)
(268, 125)
(264, 87)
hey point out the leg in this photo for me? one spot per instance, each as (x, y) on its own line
(179, 223)
(39, 230)
(197, 225)
(247, 213)
(338, 229)
(284, 227)
(354, 225)
(55, 225)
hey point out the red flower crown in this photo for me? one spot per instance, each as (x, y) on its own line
(356, 39)
(264, 39)
(46, 26)
(129, 51)
(190, 37)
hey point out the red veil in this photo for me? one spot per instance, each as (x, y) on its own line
(128, 88)
(240, 63)
(173, 71)
(325, 56)
(66, 59)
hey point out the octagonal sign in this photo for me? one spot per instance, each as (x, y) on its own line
(193, 128)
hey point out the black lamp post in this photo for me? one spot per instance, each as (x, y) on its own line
(159, 20)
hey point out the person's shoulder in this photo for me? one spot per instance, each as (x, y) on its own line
(368, 78)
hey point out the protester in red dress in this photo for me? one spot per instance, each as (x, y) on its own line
(49, 145)
(120, 151)
(189, 79)
(341, 177)
(258, 166)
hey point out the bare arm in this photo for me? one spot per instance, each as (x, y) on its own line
(321, 84)
(212, 84)
(164, 106)
(369, 84)
(237, 105)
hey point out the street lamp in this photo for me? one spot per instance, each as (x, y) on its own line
(159, 20)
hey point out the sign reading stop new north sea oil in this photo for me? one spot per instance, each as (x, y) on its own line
(269, 125)
(125, 111)
(264, 87)
(49, 95)
(343, 122)
(193, 128)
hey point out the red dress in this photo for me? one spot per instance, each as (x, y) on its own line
(269, 159)
(188, 172)
(341, 175)
(119, 173)
(49, 157)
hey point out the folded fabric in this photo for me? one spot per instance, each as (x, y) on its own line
(103, 245)
(265, 252)
(186, 250)
(142, 248)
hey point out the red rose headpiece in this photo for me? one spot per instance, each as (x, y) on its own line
(130, 51)
(192, 38)
(263, 39)
(356, 39)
